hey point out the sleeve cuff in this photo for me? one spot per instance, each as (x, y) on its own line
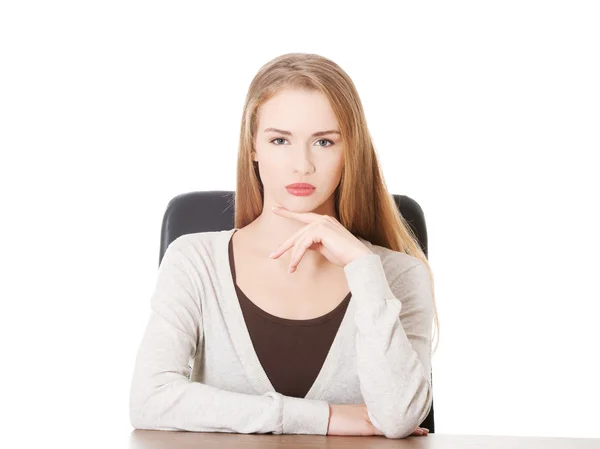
(305, 416)
(367, 280)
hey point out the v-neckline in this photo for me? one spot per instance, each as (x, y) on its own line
(242, 342)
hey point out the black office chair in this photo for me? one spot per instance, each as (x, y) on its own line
(208, 211)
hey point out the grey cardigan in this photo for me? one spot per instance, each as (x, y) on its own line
(196, 368)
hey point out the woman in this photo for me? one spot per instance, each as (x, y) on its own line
(313, 317)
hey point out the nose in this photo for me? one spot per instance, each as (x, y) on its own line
(302, 162)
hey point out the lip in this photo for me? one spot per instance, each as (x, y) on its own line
(300, 185)
(300, 189)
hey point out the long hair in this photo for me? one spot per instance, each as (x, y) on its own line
(365, 208)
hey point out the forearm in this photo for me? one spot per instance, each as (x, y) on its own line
(394, 376)
(163, 398)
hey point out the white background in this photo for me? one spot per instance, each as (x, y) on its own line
(486, 113)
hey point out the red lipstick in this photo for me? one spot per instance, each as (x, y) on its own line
(301, 189)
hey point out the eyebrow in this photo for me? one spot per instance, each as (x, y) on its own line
(317, 134)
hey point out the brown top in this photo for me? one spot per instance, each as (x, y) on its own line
(291, 352)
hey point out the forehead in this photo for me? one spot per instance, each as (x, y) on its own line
(297, 110)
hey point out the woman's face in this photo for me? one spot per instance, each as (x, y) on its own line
(288, 151)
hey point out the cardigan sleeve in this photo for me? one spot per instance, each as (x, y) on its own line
(393, 342)
(162, 397)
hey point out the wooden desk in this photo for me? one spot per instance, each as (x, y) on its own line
(153, 439)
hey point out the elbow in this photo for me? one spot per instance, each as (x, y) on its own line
(402, 425)
(400, 433)
(140, 419)
(137, 422)
(138, 412)
(137, 418)
(146, 414)
(399, 428)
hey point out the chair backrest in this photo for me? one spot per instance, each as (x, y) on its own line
(207, 211)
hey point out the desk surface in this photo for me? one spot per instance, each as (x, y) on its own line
(155, 439)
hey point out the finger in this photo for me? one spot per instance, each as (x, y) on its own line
(288, 243)
(281, 249)
(299, 251)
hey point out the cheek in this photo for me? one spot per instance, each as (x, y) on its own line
(271, 171)
(337, 166)
(334, 173)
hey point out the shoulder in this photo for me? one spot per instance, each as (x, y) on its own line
(199, 248)
(196, 241)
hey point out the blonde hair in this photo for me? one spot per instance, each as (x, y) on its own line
(357, 203)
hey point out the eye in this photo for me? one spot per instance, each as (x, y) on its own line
(326, 140)
(320, 140)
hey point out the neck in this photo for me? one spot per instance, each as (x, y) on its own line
(269, 231)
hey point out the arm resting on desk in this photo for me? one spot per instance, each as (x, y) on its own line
(393, 343)
(163, 398)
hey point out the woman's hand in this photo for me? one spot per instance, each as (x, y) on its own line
(353, 420)
(321, 233)
(420, 431)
